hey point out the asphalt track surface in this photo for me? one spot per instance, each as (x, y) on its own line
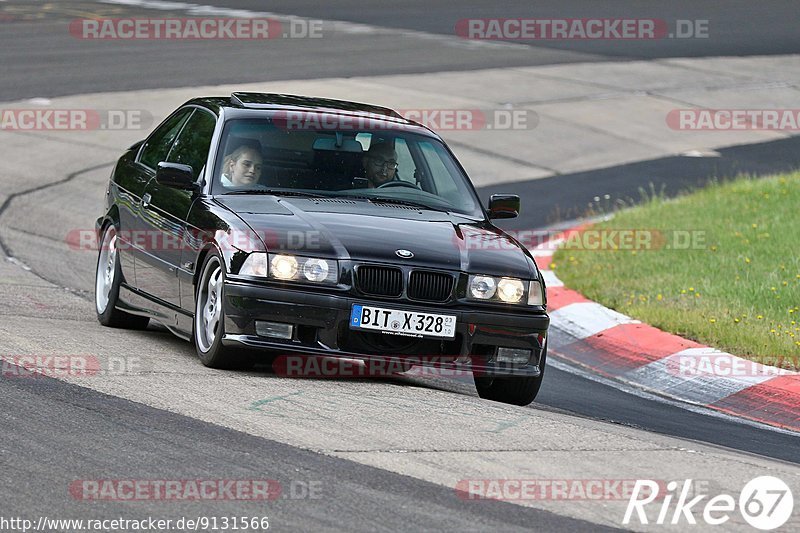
(736, 27)
(112, 438)
(41, 58)
(40, 61)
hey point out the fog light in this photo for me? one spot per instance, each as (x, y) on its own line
(513, 355)
(276, 330)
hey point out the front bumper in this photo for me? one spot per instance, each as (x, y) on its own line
(321, 328)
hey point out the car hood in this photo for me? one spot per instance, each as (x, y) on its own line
(363, 231)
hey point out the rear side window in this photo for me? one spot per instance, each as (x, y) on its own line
(191, 147)
(159, 143)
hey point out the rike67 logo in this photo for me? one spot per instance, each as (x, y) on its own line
(765, 503)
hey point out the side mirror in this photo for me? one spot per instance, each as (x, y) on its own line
(176, 176)
(504, 206)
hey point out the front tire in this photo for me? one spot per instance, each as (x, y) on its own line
(108, 278)
(512, 390)
(209, 318)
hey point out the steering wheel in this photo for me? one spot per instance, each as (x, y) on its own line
(396, 183)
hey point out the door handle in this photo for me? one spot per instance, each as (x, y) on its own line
(146, 200)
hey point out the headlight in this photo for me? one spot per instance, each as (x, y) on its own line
(283, 267)
(294, 268)
(255, 265)
(535, 293)
(505, 290)
(482, 287)
(316, 269)
(510, 290)
(291, 268)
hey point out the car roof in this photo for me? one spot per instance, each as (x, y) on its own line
(256, 102)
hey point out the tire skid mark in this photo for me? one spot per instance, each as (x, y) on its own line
(6, 250)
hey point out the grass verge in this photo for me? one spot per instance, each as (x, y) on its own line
(720, 266)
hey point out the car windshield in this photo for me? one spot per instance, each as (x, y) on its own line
(284, 155)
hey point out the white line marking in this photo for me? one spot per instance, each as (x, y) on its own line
(637, 391)
(737, 364)
(663, 375)
(584, 319)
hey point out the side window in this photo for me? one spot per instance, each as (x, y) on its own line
(160, 141)
(191, 147)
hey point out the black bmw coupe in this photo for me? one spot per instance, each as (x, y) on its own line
(267, 224)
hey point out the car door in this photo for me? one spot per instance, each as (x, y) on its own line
(131, 177)
(164, 216)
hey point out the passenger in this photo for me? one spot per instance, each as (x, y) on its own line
(242, 167)
(380, 164)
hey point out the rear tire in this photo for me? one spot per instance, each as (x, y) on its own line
(209, 319)
(108, 278)
(512, 390)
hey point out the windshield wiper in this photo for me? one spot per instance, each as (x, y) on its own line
(275, 192)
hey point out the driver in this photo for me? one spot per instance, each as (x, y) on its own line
(242, 167)
(380, 164)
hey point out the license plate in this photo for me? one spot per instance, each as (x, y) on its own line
(407, 323)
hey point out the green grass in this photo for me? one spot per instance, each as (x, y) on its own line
(737, 289)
